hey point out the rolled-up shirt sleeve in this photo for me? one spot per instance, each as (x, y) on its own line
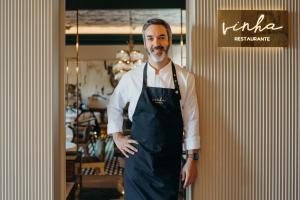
(190, 116)
(115, 107)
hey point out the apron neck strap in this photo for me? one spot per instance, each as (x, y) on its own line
(145, 76)
(177, 91)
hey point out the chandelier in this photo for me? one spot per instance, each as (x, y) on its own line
(127, 59)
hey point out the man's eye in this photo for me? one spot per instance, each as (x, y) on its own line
(162, 37)
(150, 39)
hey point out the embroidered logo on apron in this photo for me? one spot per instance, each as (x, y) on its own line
(158, 100)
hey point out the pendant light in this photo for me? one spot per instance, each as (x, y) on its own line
(127, 59)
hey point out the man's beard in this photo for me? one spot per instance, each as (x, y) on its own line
(158, 58)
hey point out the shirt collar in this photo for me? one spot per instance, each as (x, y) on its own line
(166, 68)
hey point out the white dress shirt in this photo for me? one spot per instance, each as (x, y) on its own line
(130, 87)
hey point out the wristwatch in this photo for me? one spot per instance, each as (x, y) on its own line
(195, 156)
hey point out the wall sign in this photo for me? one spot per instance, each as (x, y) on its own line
(248, 28)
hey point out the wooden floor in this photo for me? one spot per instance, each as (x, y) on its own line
(99, 194)
(104, 181)
(108, 184)
(105, 187)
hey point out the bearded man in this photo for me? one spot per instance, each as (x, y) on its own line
(164, 113)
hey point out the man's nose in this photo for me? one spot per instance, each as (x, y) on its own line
(156, 42)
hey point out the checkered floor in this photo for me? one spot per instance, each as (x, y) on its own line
(111, 166)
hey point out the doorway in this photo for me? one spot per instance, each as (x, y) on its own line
(103, 42)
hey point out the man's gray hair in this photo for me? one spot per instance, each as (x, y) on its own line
(157, 21)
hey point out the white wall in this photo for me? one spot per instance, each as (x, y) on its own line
(92, 74)
(249, 108)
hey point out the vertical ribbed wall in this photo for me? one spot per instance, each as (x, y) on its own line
(249, 108)
(26, 132)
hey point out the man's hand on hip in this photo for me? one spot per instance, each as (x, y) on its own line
(189, 172)
(124, 143)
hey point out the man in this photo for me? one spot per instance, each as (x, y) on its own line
(164, 113)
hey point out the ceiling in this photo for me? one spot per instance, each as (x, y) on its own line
(121, 21)
(123, 4)
(113, 21)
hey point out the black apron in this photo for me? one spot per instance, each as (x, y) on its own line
(153, 173)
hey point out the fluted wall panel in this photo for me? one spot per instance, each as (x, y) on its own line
(26, 98)
(249, 108)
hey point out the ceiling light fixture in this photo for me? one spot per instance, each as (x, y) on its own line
(127, 59)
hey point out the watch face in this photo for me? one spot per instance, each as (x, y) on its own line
(196, 156)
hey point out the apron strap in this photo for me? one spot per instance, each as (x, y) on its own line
(177, 90)
(145, 76)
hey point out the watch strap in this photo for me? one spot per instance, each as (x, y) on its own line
(194, 156)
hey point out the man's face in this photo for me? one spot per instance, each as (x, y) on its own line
(156, 43)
